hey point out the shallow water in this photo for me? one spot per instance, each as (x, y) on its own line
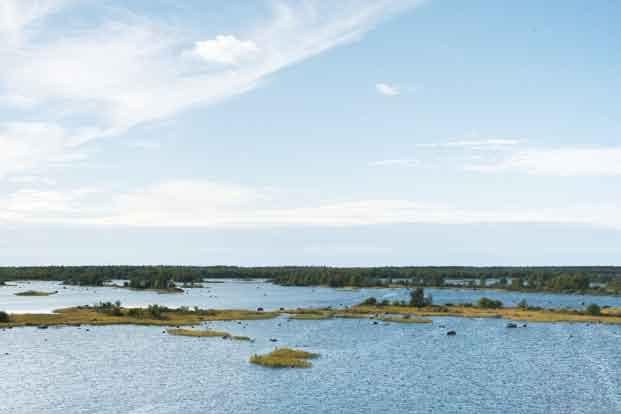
(253, 294)
(388, 368)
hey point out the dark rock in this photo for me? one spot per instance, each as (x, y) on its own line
(512, 325)
(259, 309)
(451, 333)
(273, 340)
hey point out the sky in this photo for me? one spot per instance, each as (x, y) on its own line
(350, 133)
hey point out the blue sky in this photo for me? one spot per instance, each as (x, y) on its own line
(310, 132)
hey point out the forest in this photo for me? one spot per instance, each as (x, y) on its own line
(556, 279)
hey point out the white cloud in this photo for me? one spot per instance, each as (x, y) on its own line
(225, 49)
(394, 163)
(559, 162)
(16, 15)
(386, 89)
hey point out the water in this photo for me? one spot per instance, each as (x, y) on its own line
(253, 294)
(388, 368)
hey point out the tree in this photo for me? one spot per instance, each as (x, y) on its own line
(4, 317)
(593, 309)
(418, 299)
(369, 302)
(487, 303)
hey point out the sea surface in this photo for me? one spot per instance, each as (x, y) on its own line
(363, 368)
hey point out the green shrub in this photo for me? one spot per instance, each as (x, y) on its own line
(369, 302)
(487, 303)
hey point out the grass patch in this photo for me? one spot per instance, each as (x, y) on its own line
(35, 293)
(284, 358)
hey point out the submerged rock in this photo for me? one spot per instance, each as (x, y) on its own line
(451, 333)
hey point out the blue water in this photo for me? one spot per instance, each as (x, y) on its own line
(384, 368)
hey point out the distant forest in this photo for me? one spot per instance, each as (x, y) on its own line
(604, 279)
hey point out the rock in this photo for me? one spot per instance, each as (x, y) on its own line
(375, 322)
(524, 325)
(512, 325)
(451, 333)
(273, 340)
(259, 309)
(42, 326)
(282, 309)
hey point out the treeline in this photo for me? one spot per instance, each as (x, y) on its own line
(138, 276)
(516, 278)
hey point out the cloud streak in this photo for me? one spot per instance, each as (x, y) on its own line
(562, 162)
(208, 204)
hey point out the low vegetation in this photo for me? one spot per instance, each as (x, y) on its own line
(284, 358)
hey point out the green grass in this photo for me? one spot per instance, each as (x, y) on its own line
(284, 358)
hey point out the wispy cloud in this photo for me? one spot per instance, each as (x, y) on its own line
(559, 162)
(102, 80)
(478, 143)
(386, 89)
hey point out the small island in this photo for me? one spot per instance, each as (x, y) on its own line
(284, 358)
(35, 293)
(207, 334)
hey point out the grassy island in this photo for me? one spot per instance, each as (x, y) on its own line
(284, 358)
(207, 334)
(114, 314)
(198, 334)
(35, 293)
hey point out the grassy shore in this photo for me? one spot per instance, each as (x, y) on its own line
(543, 315)
(35, 293)
(284, 358)
(87, 315)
